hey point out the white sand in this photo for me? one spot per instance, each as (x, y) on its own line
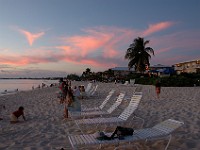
(45, 128)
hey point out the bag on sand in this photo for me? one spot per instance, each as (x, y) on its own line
(102, 136)
(120, 133)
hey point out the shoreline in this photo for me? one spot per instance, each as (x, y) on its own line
(10, 86)
(46, 129)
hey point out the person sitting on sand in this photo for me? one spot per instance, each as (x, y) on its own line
(16, 114)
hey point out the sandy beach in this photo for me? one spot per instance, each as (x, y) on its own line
(45, 128)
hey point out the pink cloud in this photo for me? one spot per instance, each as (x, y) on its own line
(176, 41)
(106, 47)
(85, 44)
(162, 50)
(24, 60)
(152, 28)
(31, 37)
(88, 61)
(102, 40)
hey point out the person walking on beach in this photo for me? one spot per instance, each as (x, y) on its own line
(63, 86)
(158, 88)
(76, 92)
(72, 103)
(68, 102)
(16, 114)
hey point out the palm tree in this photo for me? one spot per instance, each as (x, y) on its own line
(139, 55)
(88, 71)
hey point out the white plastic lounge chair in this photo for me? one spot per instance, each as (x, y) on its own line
(125, 83)
(102, 105)
(132, 82)
(92, 91)
(160, 131)
(100, 112)
(124, 116)
(88, 88)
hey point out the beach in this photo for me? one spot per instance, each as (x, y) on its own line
(45, 128)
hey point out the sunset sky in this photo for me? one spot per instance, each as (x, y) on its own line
(40, 38)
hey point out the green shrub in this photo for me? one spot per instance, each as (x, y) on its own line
(183, 80)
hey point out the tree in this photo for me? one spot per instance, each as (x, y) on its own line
(88, 71)
(138, 54)
(86, 74)
(73, 77)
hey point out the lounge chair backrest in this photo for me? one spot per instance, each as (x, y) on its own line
(132, 81)
(95, 89)
(88, 87)
(168, 126)
(126, 83)
(117, 102)
(107, 99)
(91, 90)
(160, 131)
(133, 104)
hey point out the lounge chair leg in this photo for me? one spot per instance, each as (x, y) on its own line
(170, 137)
(100, 146)
(125, 146)
(97, 125)
(105, 128)
(140, 119)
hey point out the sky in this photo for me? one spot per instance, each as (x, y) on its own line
(47, 38)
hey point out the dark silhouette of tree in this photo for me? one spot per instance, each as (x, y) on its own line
(88, 71)
(138, 54)
(86, 74)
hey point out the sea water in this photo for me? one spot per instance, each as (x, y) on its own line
(13, 85)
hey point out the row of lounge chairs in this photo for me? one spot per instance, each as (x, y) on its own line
(161, 130)
(91, 90)
(99, 110)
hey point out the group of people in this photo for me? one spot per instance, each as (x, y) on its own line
(69, 96)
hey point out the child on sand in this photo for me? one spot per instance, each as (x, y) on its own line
(16, 114)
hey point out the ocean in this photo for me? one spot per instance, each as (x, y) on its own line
(12, 85)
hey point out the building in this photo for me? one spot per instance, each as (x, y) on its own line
(161, 70)
(122, 71)
(188, 67)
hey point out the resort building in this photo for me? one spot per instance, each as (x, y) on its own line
(122, 71)
(188, 67)
(160, 70)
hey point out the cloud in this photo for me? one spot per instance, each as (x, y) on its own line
(31, 37)
(5, 66)
(152, 28)
(17, 59)
(34, 73)
(96, 44)
(106, 46)
(176, 47)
